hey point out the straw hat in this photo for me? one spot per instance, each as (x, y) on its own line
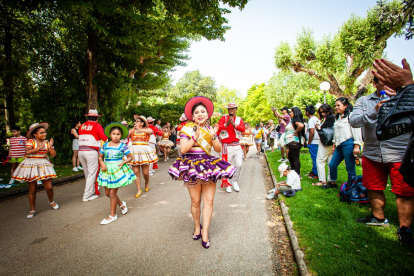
(93, 113)
(116, 124)
(142, 118)
(35, 126)
(150, 119)
(195, 100)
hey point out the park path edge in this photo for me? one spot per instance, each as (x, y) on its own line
(299, 256)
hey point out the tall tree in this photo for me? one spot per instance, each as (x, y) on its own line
(345, 59)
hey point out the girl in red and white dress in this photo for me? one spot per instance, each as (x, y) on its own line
(247, 139)
(143, 155)
(165, 143)
(36, 165)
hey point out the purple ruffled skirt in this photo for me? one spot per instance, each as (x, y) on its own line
(197, 167)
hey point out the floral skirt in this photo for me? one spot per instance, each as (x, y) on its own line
(33, 169)
(166, 143)
(246, 141)
(143, 155)
(200, 168)
(114, 176)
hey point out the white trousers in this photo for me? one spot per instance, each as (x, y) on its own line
(155, 149)
(323, 158)
(235, 157)
(90, 164)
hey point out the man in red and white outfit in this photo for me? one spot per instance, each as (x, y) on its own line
(90, 135)
(183, 120)
(153, 141)
(231, 127)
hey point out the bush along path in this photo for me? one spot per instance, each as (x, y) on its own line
(331, 239)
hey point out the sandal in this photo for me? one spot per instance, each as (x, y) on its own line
(125, 210)
(54, 207)
(31, 214)
(319, 183)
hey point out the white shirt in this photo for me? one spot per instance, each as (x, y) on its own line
(293, 180)
(343, 131)
(311, 124)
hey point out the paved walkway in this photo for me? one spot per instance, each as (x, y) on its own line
(153, 238)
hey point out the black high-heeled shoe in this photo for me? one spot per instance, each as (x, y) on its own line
(197, 237)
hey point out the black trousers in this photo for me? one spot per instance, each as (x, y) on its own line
(293, 156)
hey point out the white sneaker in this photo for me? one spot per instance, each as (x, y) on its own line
(11, 181)
(236, 186)
(75, 169)
(125, 210)
(6, 186)
(39, 182)
(111, 219)
(228, 189)
(281, 160)
(151, 173)
(285, 160)
(271, 196)
(80, 168)
(92, 197)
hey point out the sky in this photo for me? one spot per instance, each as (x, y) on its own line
(247, 55)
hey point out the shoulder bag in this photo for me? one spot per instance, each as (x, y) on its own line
(396, 116)
(326, 135)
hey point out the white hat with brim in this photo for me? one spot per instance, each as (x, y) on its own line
(282, 168)
(232, 105)
(116, 124)
(183, 118)
(318, 105)
(150, 119)
(124, 122)
(142, 118)
(35, 126)
(93, 113)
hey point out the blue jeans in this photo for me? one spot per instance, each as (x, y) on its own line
(343, 151)
(313, 150)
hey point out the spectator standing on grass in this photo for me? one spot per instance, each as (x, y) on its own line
(324, 154)
(382, 159)
(264, 142)
(74, 133)
(272, 135)
(295, 137)
(17, 151)
(313, 140)
(346, 143)
(284, 120)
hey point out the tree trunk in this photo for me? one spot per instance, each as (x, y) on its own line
(92, 70)
(8, 86)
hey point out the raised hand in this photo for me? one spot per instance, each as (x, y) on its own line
(214, 130)
(51, 142)
(392, 75)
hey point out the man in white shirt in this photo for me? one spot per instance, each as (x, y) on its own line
(313, 140)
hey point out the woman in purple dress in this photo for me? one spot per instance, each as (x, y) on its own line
(197, 167)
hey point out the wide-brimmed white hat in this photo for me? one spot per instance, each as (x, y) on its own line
(124, 122)
(183, 118)
(150, 119)
(142, 118)
(318, 105)
(93, 113)
(282, 168)
(231, 105)
(35, 126)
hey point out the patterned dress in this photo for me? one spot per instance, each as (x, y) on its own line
(198, 167)
(165, 141)
(246, 139)
(35, 166)
(115, 176)
(142, 153)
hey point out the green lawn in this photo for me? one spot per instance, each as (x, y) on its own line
(333, 243)
(61, 171)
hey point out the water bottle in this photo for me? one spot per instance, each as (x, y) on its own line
(384, 96)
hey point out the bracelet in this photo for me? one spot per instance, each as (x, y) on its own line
(194, 139)
(214, 138)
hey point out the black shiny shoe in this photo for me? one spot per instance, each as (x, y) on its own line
(330, 185)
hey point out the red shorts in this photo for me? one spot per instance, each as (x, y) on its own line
(375, 177)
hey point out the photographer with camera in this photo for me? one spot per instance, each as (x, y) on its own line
(284, 120)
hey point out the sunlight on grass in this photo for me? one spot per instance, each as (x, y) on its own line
(333, 242)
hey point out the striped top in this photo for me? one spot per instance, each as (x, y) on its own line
(17, 147)
(42, 153)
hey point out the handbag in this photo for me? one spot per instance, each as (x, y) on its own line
(277, 128)
(326, 135)
(396, 116)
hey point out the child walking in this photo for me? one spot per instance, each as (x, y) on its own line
(17, 151)
(165, 142)
(114, 172)
(36, 166)
(292, 182)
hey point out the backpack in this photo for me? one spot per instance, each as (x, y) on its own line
(353, 191)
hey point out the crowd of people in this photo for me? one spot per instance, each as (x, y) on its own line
(330, 136)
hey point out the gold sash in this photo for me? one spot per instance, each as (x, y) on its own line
(203, 140)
